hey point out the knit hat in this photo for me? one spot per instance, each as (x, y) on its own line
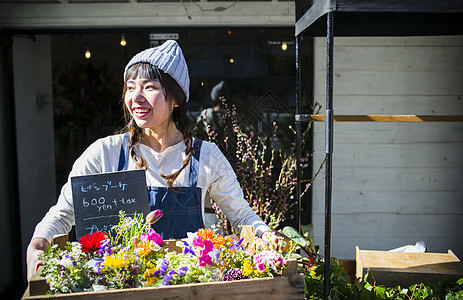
(169, 58)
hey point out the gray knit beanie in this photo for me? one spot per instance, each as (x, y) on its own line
(169, 58)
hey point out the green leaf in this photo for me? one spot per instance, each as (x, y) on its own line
(307, 231)
(366, 295)
(381, 292)
(292, 233)
(296, 256)
(404, 291)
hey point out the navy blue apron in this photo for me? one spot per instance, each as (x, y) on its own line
(181, 206)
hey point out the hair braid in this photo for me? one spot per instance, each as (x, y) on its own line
(183, 125)
(135, 134)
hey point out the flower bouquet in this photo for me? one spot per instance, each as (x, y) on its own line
(133, 255)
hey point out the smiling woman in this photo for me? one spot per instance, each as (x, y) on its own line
(144, 98)
(146, 103)
(157, 138)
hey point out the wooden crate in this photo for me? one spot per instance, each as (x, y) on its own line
(405, 269)
(288, 286)
(282, 287)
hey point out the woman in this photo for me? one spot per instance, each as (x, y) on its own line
(180, 170)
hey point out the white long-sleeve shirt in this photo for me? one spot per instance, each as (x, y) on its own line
(216, 176)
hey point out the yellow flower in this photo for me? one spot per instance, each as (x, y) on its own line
(148, 277)
(149, 280)
(247, 269)
(116, 260)
(150, 265)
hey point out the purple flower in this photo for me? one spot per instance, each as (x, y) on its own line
(236, 245)
(105, 248)
(233, 274)
(182, 270)
(162, 268)
(215, 254)
(166, 279)
(188, 249)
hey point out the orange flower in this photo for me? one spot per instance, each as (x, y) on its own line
(218, 240)
(144, 248)
(208, 234)
(229, 240)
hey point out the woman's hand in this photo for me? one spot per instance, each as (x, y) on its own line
(36, 247)
(268, 236)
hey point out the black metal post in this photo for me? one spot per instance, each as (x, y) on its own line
(328, 148)
(298, 133)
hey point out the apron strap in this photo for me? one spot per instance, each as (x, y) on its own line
(123, 156)
(194, 163)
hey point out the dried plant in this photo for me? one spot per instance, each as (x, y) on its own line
(267, 176)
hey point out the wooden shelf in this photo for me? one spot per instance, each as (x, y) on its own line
(387, 118)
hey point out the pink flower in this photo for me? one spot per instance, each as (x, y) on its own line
(151, 236)
(207, 247)
(197, 241)
(271, 259)
(205, 260)
(260, 267)
(154, 216)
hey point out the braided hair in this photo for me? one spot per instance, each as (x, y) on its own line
(172, 92)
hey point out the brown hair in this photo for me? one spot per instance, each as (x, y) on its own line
(172, 92)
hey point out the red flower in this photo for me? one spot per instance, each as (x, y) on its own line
(92, 241)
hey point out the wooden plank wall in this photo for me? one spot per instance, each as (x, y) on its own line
(393, 183)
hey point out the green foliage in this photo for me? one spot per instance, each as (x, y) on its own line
(304, 240)
(366, 289)
(129, 229)
(294, 235)
(341, 288)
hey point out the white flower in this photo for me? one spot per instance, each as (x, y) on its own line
(76, 248)
(215, 254)
(154, 246)
(94, 264)
(68, 263)
(190, 237)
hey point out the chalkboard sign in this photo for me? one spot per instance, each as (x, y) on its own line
(98, 198)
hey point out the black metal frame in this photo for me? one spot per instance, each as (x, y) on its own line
(361, 18)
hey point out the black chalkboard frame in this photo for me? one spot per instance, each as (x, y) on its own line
(98, 198)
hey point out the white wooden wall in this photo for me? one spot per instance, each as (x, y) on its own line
(393, 183)
(34, 131)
